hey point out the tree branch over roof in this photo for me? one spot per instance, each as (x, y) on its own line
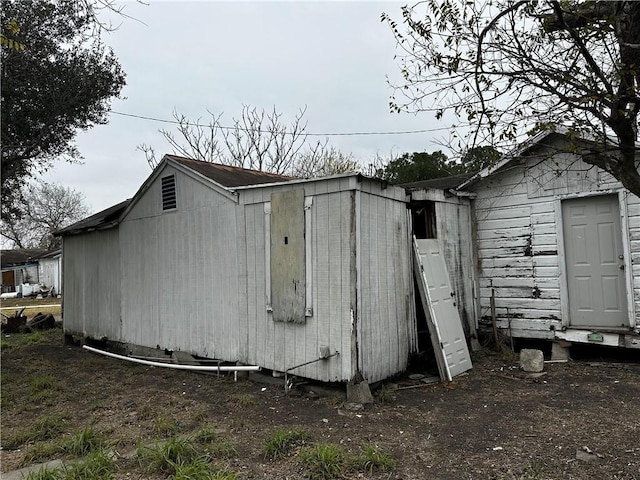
(515, 68)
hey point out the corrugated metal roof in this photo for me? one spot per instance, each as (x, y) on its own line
(228, 176)
(443, 183)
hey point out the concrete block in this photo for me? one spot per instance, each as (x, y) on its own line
(359, 393)
(560, 351)
(531, 360)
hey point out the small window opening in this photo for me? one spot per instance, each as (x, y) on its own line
(286, 240)
(169, 201)
(424, 220)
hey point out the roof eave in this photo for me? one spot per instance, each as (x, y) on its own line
(308, 180)
(508, 158)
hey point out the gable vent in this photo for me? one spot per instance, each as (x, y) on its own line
(169, 192)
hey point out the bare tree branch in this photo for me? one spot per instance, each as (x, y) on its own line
(512, 68)
(44, 208)
(258, 140)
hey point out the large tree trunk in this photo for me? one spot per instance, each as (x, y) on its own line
(623, 18)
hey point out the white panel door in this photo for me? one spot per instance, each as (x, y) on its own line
(445, 327)
(595, 262)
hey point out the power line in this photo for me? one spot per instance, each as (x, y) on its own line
(331, 134)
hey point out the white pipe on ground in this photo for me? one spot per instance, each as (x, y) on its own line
(197, 368)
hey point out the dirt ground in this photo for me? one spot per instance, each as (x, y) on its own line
(492, 423)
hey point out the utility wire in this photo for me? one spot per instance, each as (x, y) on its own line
(331, 134)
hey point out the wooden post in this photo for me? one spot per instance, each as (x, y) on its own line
(493, 318)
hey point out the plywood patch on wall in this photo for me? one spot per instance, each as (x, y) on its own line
(288, 256)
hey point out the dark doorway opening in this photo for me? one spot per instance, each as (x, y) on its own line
(423, 217)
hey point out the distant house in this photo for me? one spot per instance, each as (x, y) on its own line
(557, 245)
(19, 266)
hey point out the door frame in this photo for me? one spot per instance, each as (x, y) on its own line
(624, 225)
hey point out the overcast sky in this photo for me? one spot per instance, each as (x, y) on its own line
(335, 58)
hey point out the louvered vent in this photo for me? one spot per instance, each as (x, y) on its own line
(169, 192)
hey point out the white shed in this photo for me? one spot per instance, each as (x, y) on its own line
(558, 245)
(244, 266)
(50, 270)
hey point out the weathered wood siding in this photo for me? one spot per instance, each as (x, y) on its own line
(280, 346)
(197, 278)
(385, 285)
(180, 286)
(518, 223)
(633, 215)
(91, 269)
(49, 272)
(454, 228)
(360, 305)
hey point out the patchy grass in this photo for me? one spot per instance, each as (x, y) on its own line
(17, 340)
(323, 461)
(444, 431)
(31, 306)
(202, 469)
(47, 427)
(211, 441)
(373, 459)
(28, 302)
(242, 399)
(326, 461)
(163, 457)
(165, 426)
(84, 442)
(97, 465)
(282, 443)
(42, 382)
(385, 395)
(42, 451)
(46, 473)
(533, 470)
(222, 449)
(206, 435)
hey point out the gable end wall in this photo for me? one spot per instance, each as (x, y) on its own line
(518, 225)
